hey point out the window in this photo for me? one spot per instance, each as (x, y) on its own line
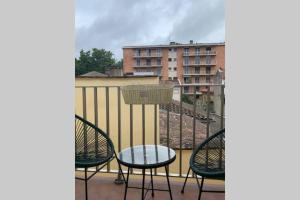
(170, 68)
(186, 89)
(170, 49)
(186, 51)
(174, 59)
(137, 52)
(197, 80)
(197, 88)
(174, 49)
(148, 62)
(197, 51)
(158, 72)
(186, 70)
(208, 49)
(175, 68)
(207, 70)
(158, 61)
(138, 62)
(158, 52)
(186, 60)
(148, 52)
(186, 80)
(208, 60)
(208, 79)
(170, 59)
(197, 70)
(197, 60)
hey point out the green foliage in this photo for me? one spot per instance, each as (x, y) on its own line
(185, 98)
(95, 60)
(119, 63)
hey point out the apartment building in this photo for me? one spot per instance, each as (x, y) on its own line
(191, 64)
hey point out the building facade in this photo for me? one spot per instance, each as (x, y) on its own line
(191, 64)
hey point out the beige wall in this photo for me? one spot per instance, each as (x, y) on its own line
(113, 110)
(125, 117)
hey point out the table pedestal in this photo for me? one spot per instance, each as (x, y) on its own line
(143, 184)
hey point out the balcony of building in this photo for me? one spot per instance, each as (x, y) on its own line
(179, 125)
(197, 72)
(148, 65)
(201, 53)
(147, 55)
(202, 63)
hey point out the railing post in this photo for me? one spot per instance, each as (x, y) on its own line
(207, 120)
(222, 105)
(107, 118)
(119, 179)
(180, 135)
(96, 120)
(155, 129)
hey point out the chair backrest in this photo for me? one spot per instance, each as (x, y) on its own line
(90, 140)
(210, 155)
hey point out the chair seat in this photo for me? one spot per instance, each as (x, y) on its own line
(90, 159)
(214, 173)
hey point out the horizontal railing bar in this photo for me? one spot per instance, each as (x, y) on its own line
(182, 85)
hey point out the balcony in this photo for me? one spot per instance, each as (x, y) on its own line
(194, 73)
(178, 125)
(145, 66)
(199, 64)
(145, 55)
(202, 53)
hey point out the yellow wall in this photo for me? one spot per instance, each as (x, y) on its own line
(125, 116)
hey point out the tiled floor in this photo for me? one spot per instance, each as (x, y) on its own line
(103, 187)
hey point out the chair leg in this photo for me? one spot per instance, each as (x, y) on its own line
(200, 189)
(126, 184)
(120, 173)
(85, 181)
(152, 183)
(167, 173)
(182, 190)
(143, 184)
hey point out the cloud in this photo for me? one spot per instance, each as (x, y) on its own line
(116, 23)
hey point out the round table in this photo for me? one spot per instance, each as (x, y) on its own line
(147, 157)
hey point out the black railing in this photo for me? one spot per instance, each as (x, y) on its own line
(202, 114)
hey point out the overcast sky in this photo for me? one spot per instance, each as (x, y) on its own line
(111, 24)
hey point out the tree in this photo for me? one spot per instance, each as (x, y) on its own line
(185, 98)
(95, 60)
(119, 63)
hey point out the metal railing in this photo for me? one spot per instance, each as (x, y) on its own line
(208, 63)
(201, 53)
(146, 55)
(90, 97)
(149, 65)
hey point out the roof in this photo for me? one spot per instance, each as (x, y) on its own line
(175, 45)
(94, 74)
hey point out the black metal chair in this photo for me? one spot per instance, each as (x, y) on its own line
(92, 148)
(208, 160)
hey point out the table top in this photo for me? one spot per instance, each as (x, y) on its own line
(147, 156)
